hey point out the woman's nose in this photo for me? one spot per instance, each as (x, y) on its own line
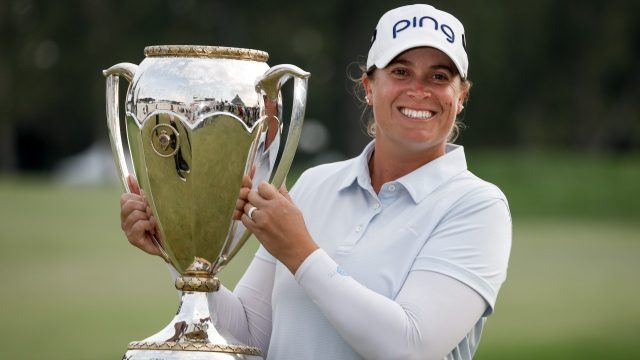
(419, 89)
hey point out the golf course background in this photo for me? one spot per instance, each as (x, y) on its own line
(73, 288)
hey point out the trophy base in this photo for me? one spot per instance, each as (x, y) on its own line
(191, 335)
(184, 355)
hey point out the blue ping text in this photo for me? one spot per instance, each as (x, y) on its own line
(404, 24)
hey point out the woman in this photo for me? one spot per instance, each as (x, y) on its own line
(396, 254)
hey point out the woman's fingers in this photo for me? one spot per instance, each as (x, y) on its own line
(139, 228)
(133, 185)
(130, 203)
(239, 210)
(267, 191)
(266, 197)
(285, 192)
(136, 218)
(242, 198)
(247, 182)
(133, 218)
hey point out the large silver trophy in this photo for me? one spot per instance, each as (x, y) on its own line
(198, 118)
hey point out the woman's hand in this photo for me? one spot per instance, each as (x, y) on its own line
(247, 184)
(136, 219)
(242, 198)
(278, 224)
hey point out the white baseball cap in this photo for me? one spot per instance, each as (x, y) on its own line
(418, 25)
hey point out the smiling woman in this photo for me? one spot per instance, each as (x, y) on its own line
(398, 253)
(415, 101)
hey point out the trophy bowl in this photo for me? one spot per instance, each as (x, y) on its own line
(199, 118)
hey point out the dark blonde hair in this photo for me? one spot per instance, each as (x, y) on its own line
(360, 94)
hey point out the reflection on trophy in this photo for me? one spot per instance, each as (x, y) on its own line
(198, 119)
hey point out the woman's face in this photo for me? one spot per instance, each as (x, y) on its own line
(415, 100)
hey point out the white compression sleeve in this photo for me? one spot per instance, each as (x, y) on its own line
(430, 316)
(246, 313)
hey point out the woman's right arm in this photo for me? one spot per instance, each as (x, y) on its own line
(246, 313)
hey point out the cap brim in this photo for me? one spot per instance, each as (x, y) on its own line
(383, 61)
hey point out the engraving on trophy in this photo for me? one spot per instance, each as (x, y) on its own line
(197, 332)
(165, 140)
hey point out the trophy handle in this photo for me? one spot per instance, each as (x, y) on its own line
(126, 70)
(269, 85)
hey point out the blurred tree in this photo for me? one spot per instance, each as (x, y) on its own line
(556, 74)
(545, 73)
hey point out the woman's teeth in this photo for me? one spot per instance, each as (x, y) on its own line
(416, 114)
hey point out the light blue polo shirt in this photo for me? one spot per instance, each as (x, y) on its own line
(439, 218)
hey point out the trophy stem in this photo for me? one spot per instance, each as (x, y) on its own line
(192, 334)
(200, 282)
(198, 277)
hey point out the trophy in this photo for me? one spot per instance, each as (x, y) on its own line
(199, 118)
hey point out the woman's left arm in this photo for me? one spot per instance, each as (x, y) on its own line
(429, 317)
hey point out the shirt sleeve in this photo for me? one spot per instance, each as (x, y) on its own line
(246, 313)
(263, 254)
(429, 317)
(471, 244)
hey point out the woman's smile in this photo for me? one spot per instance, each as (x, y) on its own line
(417, 114)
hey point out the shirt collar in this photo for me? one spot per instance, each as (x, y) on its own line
(359, 169)
(420, 182)
(425, 179)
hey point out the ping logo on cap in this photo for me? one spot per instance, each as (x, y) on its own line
(416, 22)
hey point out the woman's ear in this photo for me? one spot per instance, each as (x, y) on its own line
(461, 100)
(366, 84)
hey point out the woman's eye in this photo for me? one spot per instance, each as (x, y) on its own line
(439, 76)
(399, 72)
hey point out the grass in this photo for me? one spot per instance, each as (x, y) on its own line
(73, 288)
(571, 292)
(559, 184)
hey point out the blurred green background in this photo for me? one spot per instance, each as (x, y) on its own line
(553, 119)
(75, 289)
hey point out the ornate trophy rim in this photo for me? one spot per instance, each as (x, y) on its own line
(195, 346)
(210, 52)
